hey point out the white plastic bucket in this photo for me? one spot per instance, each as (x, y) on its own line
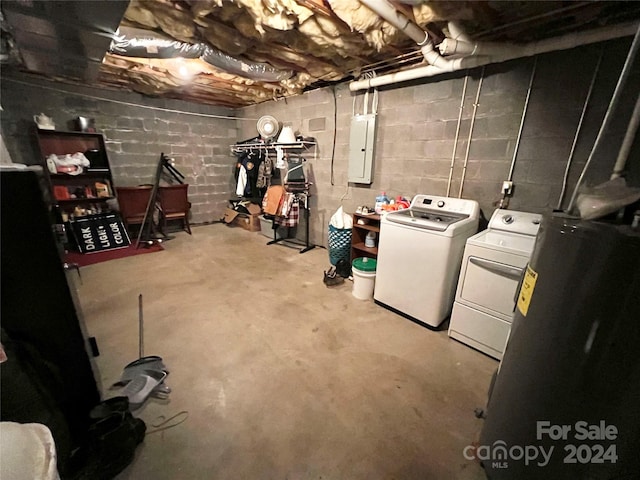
(363, 281)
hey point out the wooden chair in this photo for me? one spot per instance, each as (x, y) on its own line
(174, 204)
(133, 203)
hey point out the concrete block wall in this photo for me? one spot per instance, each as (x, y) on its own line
(416, 129)
(135, 135)
(416, 132)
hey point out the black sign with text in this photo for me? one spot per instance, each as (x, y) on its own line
(97, 233)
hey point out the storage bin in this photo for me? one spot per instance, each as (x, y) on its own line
(266, 228)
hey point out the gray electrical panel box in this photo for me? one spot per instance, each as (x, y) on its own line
(362, 141)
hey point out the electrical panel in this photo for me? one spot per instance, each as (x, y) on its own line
(362, 141)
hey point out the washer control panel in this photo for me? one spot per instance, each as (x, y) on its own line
(446, 204)
(516, 222)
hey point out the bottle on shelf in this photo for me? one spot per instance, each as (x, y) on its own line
(370, 239)
(381, 200)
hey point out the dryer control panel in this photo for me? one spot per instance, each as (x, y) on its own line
(515, 222)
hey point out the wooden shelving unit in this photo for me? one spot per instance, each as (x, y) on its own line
(359, 232)
(80, 188)
(82, 219)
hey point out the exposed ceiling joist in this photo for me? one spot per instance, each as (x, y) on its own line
(318, 41)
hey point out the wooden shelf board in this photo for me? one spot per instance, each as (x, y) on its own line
(371, 216)
(88, 175)
(81, 200)
(360, 246)
(372, 228)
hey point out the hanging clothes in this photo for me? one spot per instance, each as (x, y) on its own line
(273, 199)
(295, 170)
(242, 179)
(247, 168)
(247, 174)
(285, 205)
(265, 171)
(293, 214)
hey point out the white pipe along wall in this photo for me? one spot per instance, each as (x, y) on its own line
(444, 65)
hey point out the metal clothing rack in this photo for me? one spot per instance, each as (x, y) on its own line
(307, 246)
(292, 148)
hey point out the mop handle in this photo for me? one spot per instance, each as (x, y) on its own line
(140, 327)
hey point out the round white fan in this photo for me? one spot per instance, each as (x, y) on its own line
(268, 127)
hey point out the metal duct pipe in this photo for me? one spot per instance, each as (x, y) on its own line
(615, 99)
(134, 42)
(398, 19)
(627, 143)
(544, 46)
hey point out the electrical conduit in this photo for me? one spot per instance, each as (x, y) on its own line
(455, 142)
(522, 119)
(473, 121)
(504, 201)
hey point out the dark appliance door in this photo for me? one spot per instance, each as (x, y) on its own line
(38, 310)
(569, 381)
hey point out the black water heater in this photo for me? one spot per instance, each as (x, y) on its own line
(566, 401)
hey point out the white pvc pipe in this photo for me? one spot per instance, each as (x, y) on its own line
(627, 143)
(558, 43)
(457, 33)
(399, 20)
(450, 46)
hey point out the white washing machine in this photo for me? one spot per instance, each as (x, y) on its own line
(419, 256)
(492, 266)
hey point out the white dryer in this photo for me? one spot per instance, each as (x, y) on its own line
(419, 256)
(492, 266)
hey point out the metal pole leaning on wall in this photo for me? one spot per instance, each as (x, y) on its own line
(473, 121)
(578, 129)
(615, 99)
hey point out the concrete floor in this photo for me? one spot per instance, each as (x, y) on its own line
(282, 378)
